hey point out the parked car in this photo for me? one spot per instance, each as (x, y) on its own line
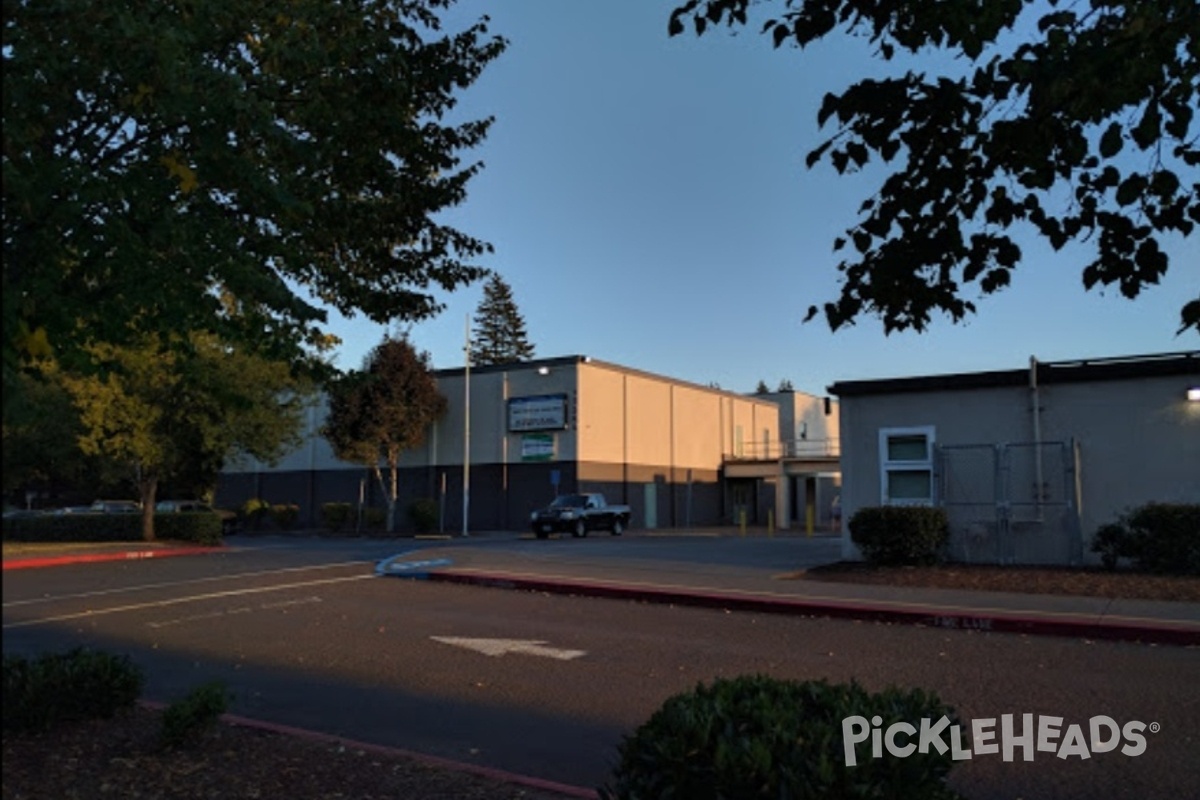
(229, 521)
(116, 507)
(578, 514)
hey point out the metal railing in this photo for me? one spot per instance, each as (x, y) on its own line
(786, 448)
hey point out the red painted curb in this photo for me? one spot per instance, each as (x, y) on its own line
(92, 558)
(1067, 625)
(490, 773)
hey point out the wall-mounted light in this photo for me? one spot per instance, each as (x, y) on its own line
(1193, 394)
(543, 370)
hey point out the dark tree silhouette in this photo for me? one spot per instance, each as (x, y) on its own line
(500, 336)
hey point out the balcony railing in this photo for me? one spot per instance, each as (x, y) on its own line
(786, 448)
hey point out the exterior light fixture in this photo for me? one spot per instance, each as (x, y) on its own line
(1193, 394)
(543, 370)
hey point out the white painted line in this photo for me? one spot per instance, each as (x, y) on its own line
(169, 584)
(498, 647)
(180, 600)
(233, 611)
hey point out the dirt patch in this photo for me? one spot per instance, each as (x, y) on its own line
(122, 758)
(1022, 579)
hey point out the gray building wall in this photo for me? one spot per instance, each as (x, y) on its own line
(1138, 441)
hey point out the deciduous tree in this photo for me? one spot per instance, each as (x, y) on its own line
(379, 412)
(166, 410)
(1075, 119)
(500, 336)
(164, 158)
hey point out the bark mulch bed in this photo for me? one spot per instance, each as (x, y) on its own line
(1022, 579)
(122, 759)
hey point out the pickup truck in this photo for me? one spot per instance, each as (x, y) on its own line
(578, 514)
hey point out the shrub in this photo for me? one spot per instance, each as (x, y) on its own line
(1156, 537)
(254, 511)
(285, 515)
(1111, 542)
(187, 718)
(76, 685)
(201, 527)
(759, 737)
(900, 534)
(424, 514)
(374, 518)
(335, 516)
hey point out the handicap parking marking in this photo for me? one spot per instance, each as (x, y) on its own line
(399, 567)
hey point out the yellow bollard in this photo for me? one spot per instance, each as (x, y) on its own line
(770, 522)
(808, 521)
(742, 520)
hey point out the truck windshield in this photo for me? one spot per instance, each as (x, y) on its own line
(569, 501)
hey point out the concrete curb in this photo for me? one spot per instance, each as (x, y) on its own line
(490, 773)
(939, 616)
(92, 558)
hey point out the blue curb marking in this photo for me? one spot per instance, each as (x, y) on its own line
(409, 569)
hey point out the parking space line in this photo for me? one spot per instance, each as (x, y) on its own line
(180, 600)
(169, 584)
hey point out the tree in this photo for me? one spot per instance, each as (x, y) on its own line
(500, 336)
(1094, 99)
(762, 388)
(166, 414)
(785, 385)
(377, 413)
(164, 159)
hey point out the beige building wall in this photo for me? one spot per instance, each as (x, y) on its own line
(641, 419)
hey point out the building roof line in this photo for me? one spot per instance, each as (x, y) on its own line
(1048, 372)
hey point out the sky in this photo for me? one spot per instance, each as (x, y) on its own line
(649, 205)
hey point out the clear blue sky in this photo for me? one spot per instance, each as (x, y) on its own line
(649, 204)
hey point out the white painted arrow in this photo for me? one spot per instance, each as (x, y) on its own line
(498, 647)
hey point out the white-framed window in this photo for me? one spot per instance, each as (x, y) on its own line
(906, 466)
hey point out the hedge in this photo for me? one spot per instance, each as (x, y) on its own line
(201, 527)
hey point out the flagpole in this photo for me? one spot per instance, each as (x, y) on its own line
(466, 429)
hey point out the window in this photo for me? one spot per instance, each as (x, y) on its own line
(906, 465)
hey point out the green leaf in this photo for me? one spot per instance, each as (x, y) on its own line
(1111, 141)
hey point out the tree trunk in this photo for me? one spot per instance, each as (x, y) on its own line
(393, 493)
(148, 489)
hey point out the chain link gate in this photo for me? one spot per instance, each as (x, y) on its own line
(1012, 503)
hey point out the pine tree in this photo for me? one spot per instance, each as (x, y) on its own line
(762, 388)
(500, 336)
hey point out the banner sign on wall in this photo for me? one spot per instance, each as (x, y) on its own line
(537, 447)
(546, 412)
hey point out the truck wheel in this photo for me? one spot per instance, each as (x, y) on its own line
(541, 534)
(617, 527)
(580, 530)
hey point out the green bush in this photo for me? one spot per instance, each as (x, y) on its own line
(201, 527)
(285, 515)
(424, 514)
(336, 516)
(374, 518)
(908, 535)
(186, 719)
(76, 685)
(760, 737)
(254, 511)
(1156, 537)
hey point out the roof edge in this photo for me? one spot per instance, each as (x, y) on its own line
(1048, 372)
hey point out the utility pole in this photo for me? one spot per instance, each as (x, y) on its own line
(466, 508)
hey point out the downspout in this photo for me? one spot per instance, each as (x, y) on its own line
(1036, 410)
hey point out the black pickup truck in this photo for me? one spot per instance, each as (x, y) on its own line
(577, 514)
